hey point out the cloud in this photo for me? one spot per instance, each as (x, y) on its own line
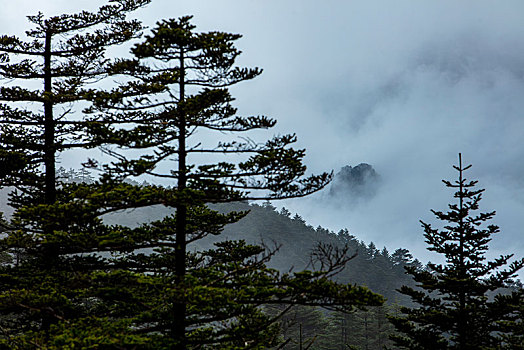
(447, 81)
(403, 86)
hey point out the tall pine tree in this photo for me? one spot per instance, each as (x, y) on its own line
(79, 283)
(48, 75)
(54, 68)
(454, 310)
(196, 70)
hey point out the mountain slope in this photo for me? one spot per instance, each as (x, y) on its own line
(377, 269)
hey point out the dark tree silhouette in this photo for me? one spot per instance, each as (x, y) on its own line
(46, 76)
(454, 310)
(180, 124)
(64, 55)
(79, 283)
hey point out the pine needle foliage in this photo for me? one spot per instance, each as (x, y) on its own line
(79, 283)
(53, 69)
(455, 310)
(195, 71)
(46, 77)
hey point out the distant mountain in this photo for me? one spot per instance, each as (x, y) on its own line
(355, 183)
(380, 270)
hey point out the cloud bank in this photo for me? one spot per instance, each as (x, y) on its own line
(404, 86)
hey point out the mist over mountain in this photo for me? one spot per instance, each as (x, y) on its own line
(354, 184)
(380, 269)
(404, 88)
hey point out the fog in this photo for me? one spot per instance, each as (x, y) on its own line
(404, 86)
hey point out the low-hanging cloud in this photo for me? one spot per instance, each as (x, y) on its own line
(404, 86)
(462, 95)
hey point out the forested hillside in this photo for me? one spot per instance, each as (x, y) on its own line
(379, 269)
(383, 272)
(295, 241)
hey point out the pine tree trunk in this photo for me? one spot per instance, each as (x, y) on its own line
(462, 319)
(49, 154)
(49, 127)
(366, 330)
(181, 214)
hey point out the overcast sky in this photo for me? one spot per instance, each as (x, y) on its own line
(402, 85)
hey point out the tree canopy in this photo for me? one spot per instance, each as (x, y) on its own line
(78, 282)
(454, 309)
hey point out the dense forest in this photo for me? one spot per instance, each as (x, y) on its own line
(295, 240)
(197, 257)
(380, 270)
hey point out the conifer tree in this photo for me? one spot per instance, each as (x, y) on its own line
(47, 77)
(64, 55)
(453, 309)
(80, 283)
(303, 327)
(196, 70)
(511, 327)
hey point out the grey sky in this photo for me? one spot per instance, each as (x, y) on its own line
(402, 85)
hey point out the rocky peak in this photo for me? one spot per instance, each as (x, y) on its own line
(360, 181)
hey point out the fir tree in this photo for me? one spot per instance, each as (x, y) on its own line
(511, 328)
(80, 283)
(196, 70)
(454, 311)
(48, 76)
(64, 54)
